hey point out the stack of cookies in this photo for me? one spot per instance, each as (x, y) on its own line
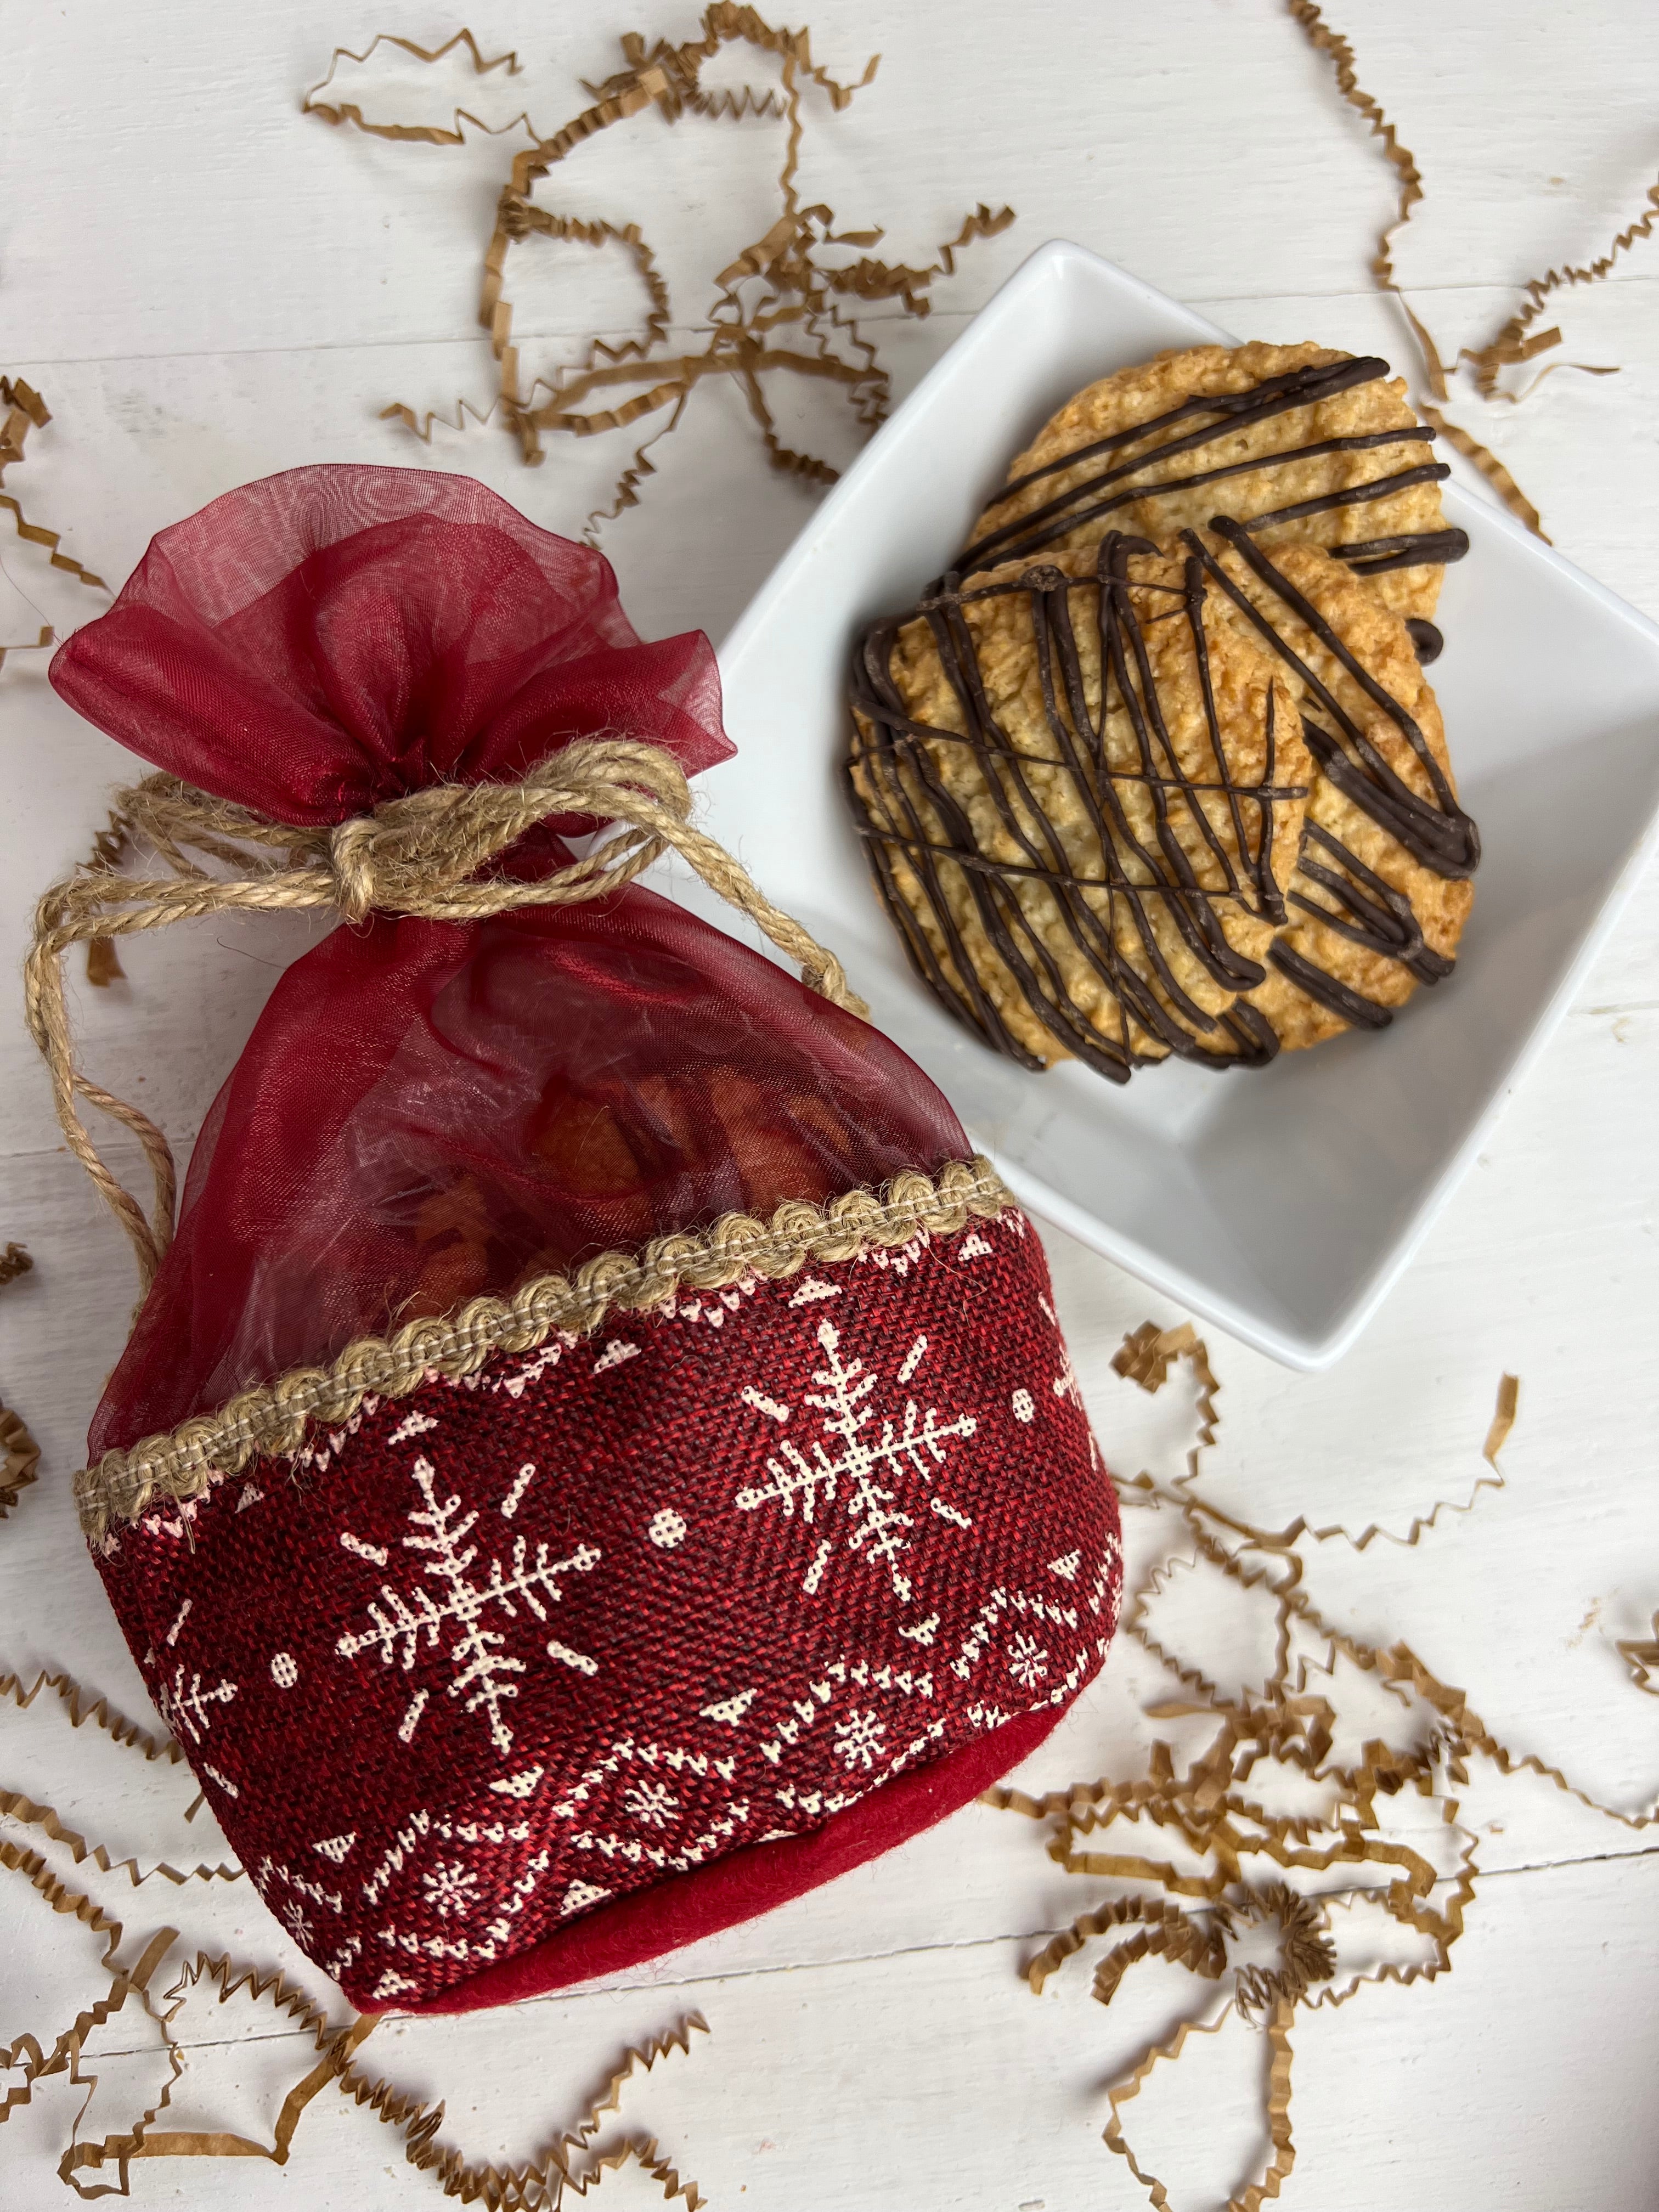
(1155, 768)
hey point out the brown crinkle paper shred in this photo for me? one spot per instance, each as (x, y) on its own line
(1641, 1655)
(777, 307)
(20, 1456)
(15, 1261)
(1511, 345)
(572, 2161)
(1232, 1862)
(346, 111)
(23, 410)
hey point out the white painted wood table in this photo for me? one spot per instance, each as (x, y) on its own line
(207, 286)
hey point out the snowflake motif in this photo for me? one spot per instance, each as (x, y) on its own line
(1028, 1662)
(187, 1711)
(297, 1921)
(653, 1804)
(451, 1887)
(915, 1447)
(860, 1738)
(480, 1664)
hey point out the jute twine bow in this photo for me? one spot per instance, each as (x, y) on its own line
(426, 855)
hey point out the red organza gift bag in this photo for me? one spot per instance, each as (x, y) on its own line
(596, 1457)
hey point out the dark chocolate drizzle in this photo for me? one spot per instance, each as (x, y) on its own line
(911, 811)
(1440, 836)
(1115, 486)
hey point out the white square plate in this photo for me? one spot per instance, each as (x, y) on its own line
(1281, 1203)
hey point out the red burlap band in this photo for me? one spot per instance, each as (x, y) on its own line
(541, 1669)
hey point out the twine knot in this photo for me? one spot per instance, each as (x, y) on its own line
(353, 853)
(429, 854)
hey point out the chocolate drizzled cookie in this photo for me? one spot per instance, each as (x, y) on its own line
(1081, 786)
(1300, 445)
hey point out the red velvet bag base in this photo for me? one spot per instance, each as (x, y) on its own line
(752, 1880)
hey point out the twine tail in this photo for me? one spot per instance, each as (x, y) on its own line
(724, 874)
(47, 1011)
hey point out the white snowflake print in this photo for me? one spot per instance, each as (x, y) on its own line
(297, 1921)
(860, 1738)
(1028, 1662)
(653, 1804)
(451, 1888)
(187, 1711)
(480, 1662)
(848, 1470)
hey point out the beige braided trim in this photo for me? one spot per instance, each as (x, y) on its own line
(272, 1418)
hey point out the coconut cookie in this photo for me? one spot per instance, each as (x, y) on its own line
(1303, 445)
(1082, 786)
(1381, 890)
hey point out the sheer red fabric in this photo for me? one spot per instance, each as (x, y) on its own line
(429, 1110)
